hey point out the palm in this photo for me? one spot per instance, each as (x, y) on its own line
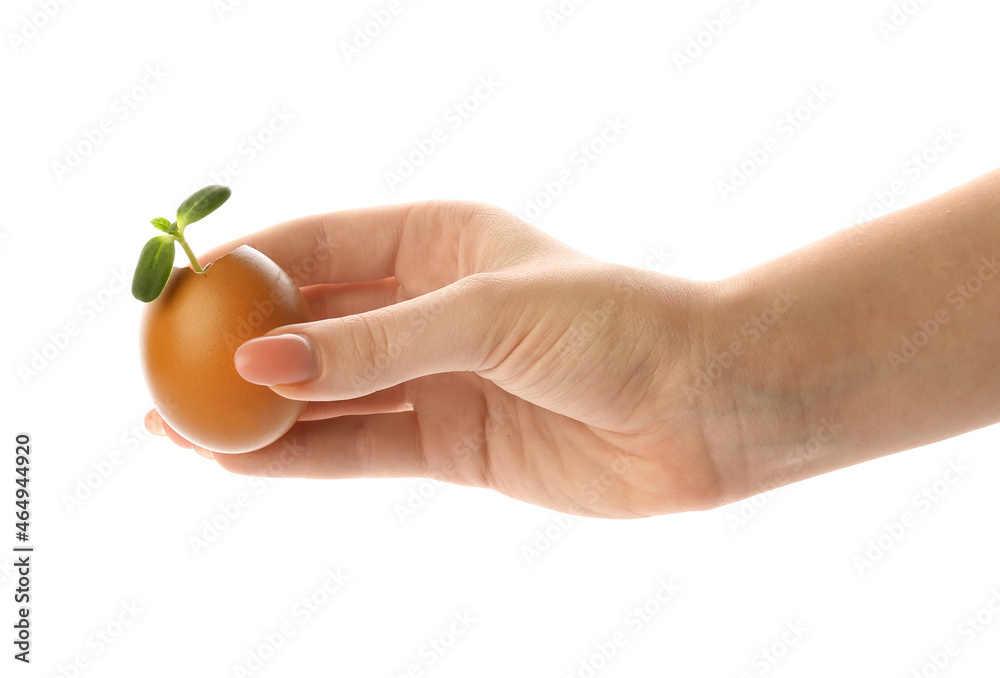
(475, 433)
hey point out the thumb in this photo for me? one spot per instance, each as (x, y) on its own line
(451, 329)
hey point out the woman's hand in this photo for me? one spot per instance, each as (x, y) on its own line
(458, 342)
(461, 343)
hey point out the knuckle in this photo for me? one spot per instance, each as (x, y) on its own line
(486, 304)
(368, 345)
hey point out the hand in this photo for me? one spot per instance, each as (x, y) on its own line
(458, 342)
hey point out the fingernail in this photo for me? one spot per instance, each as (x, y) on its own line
(281, 359)
(203, 452)
(153, 423)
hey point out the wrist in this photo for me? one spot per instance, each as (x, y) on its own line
(879, 338)
(763, 385)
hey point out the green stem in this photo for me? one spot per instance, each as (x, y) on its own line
(187, 249)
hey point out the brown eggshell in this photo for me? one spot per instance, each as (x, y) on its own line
(189, 335)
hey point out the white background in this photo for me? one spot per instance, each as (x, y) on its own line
(746, 572)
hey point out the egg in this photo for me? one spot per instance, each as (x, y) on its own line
(189, 335)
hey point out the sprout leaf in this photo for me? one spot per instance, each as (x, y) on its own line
(200, 204)
(155, 263)
(162, 224)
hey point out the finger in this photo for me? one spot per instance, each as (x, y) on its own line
(156, 425)
(381, 402)
(454, 329)
(352, 245)
(336, 300)
(377, 446)
(175, 437)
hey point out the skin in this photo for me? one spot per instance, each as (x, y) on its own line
(461, 343)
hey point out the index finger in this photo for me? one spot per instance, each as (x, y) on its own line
(354, 245)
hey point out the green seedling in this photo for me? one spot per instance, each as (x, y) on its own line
(157, 257)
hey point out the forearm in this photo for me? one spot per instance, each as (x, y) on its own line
(880, 338)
